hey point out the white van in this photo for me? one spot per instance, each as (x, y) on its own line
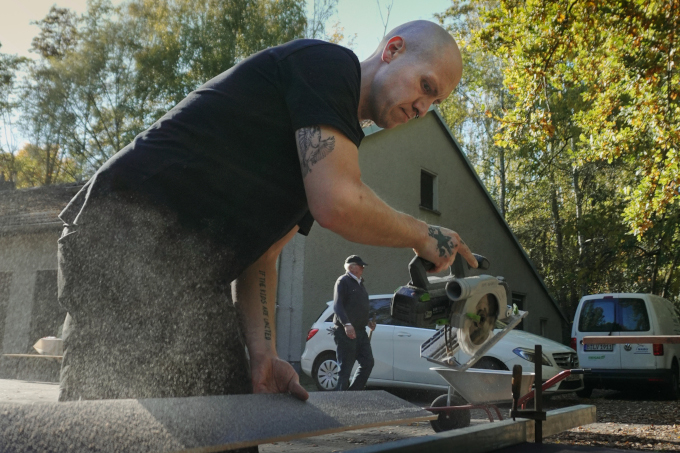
(624, 366)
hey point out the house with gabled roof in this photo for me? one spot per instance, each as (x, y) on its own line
(419, 169)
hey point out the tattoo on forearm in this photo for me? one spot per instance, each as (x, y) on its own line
(312, 147)
(265, 310)
(444, 243)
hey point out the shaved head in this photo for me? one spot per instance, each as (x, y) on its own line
(415, 65)
(426, 41)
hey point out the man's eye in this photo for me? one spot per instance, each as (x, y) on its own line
(426, 87)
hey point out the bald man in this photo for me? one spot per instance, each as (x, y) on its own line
(195, 211)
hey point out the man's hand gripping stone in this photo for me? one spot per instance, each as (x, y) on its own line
(273, 375)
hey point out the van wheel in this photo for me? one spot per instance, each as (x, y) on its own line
(325, 371)
(673, 392)
(455, 419)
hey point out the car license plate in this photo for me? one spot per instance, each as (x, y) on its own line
(598, 347)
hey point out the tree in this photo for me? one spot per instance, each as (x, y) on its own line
(58, 33)
(624, 55)
(184, 43)
(526, 121)
(10, 67)
(79, 103)
(475, 106)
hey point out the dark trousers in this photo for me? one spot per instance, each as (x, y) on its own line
(349, 351)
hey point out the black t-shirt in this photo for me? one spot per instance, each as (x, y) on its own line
(225, 158)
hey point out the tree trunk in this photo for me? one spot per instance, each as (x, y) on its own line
(669, 276)
(501, 153)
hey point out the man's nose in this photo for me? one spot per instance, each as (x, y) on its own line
(421, 106)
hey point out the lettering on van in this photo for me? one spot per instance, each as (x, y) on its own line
(596, 357)
(642, 349)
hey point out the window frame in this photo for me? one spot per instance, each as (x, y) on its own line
(435, 191)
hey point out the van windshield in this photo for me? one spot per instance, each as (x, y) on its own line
(614, 315)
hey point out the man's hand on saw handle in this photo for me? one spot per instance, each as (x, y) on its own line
(441, 247)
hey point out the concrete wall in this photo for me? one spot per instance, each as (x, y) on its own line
(391, 163)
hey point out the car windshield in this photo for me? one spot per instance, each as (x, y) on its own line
(381, 309)
(614, 315)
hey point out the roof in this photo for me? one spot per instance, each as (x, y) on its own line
(371, 129)
(25, 210)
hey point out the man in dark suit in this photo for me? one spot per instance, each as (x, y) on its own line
(351, 306)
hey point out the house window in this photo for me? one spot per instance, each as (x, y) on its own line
(544, 326)
(428, 190)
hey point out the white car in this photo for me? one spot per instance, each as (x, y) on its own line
(396, 350)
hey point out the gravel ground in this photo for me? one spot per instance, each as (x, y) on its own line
(624, 421)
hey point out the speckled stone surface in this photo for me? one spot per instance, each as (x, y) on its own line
(198, 424)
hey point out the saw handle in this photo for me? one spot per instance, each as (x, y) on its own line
(418, 268)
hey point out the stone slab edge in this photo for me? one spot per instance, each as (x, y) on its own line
(198, 424)
(489, 436)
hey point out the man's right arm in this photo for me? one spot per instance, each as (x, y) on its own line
(341, 202)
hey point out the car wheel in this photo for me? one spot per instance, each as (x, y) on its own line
(325, 371)
(673, 392)
(490, 363)
(455, 419)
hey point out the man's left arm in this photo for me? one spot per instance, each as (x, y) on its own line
(255, 297)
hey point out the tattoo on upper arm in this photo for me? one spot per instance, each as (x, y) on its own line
(444, 242)
(312, 147)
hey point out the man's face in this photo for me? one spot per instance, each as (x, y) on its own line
(357, 270)
(407, 85)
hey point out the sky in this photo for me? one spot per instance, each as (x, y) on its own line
(360, 17)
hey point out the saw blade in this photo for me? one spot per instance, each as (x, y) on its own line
(477, 323)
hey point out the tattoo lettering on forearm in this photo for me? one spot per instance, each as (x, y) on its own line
(263, 301)
(444, 243)
(312, 147)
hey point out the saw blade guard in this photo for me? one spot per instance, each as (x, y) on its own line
(477, 308)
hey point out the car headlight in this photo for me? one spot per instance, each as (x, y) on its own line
(529, 354)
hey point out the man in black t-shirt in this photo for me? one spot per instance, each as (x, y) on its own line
(197, 208)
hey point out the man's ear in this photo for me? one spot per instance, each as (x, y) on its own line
(394, 46)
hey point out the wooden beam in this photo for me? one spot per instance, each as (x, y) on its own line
(198, 424)
(658, 339)
(34, 356)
